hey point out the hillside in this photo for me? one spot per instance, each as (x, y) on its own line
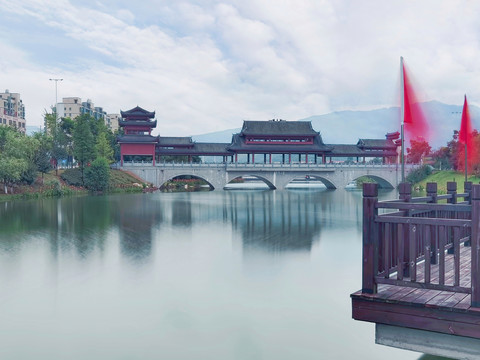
(346, 127)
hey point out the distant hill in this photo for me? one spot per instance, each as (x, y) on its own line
(346, 127)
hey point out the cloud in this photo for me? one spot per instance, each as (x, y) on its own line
(206, 65)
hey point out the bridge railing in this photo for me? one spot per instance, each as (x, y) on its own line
(274, 165)
(406, 244)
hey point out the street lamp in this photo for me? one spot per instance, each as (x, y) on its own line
(56, 100)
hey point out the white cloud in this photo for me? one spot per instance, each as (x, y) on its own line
(205, 66)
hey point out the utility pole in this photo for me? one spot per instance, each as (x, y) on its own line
(56, 98)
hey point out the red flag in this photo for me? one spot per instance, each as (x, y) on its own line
(416, 125)
(465, 136)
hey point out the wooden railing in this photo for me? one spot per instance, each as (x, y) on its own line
(405, 241)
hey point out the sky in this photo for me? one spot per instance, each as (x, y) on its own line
(207, 65)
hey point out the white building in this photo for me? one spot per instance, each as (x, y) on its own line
(73, 106)
(112, 121)
(12, 110)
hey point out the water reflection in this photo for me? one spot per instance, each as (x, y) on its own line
(165, 274)
(268, 220)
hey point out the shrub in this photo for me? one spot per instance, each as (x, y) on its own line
(419, 174)
(72, 177)
(97, 175)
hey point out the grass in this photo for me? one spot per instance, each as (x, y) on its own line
(53, 186)
(442, 177)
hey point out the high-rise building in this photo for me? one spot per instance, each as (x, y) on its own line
(12, 110)
(112, 121)
(74, 106)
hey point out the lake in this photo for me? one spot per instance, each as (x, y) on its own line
(206, 275)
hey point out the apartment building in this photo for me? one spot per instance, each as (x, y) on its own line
(112, 121)
(74, 106)
(12, 110)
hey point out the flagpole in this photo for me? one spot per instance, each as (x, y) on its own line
(466, 150)
(402, 117)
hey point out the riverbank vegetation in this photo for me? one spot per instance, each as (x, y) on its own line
(43, 164)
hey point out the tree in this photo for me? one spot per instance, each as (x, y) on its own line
(103, 148)
(97, 175)
(83, 142)
(417, 150)
(58, 139)
(42, 155)
(13, 156)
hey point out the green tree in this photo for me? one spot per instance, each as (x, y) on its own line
(13, 156)
(83, 142)
(43, 153)
(97, 175)
(58, 139)
(103, 148)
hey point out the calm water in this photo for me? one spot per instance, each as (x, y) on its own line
(211, 275)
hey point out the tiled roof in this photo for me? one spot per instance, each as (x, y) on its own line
(277, 127)
(137, 112)
(137, 139)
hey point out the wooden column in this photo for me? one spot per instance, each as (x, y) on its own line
(270, 158)
(283, 158)
(432, 191)
(370, 238)
(248, 158)
(306, 158)
(264, 158)
(451, 190)
(467, 187)
(253, 158)
(475, 245)
(405, 194)
(289, 158)
(236, 158)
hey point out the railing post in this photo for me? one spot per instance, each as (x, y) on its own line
(467, 188)
(432, 191)
(451, 190)
(370, 238)
(405, 194)
(475, 239)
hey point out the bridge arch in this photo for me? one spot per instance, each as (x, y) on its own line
(326, 181)
(382, 182)
(171, 177)
(259, 177)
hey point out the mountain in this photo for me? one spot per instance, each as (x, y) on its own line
(346, 127)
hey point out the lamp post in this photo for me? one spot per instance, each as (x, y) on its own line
(56, 100)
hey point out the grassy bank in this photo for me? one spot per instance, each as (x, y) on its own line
(442, 177)
(53, 185)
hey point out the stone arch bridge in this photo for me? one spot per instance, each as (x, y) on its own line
(276, 176)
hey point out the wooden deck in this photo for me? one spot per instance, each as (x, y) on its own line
(433, 295)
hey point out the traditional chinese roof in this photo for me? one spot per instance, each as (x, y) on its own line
(239, 145)
(376, 144)
(137, 113)
(208, 149)
(134, 138)
(346, 150)
(175, 141)
(142, 123)
(277, 127)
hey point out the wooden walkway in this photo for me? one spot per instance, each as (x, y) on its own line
(437, 297)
